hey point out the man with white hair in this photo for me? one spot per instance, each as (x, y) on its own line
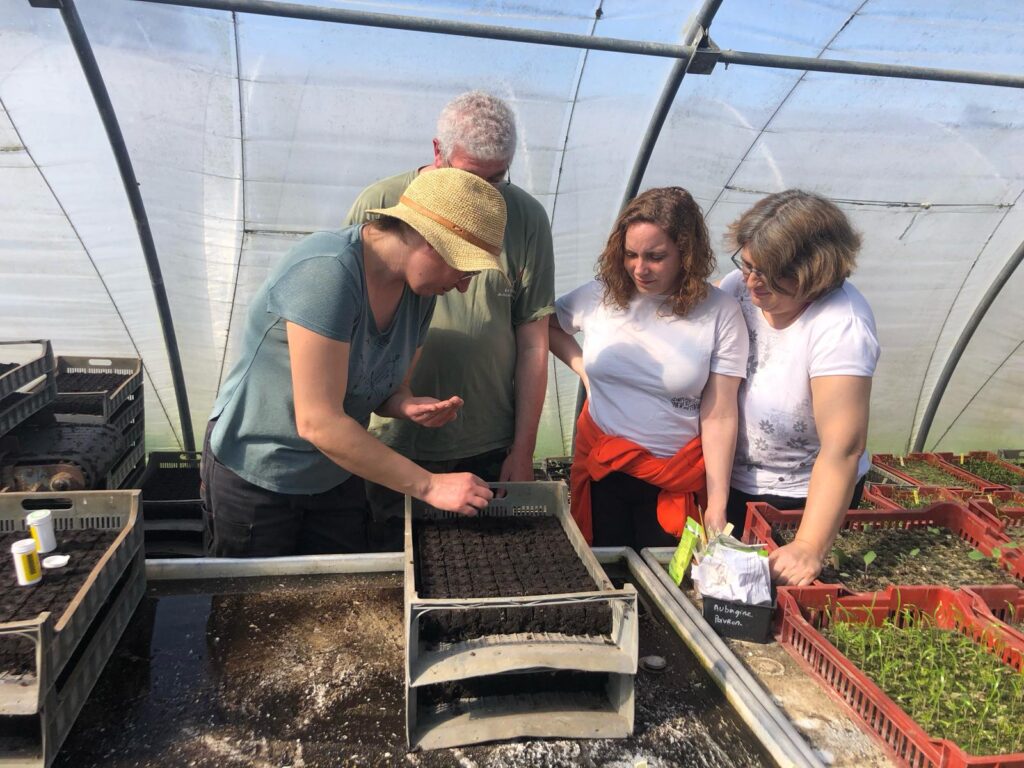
(488, 346)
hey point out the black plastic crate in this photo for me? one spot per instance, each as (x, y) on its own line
(92, 389)
(23, 363)
(170, 486)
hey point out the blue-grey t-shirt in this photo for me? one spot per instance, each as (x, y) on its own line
(320, 284)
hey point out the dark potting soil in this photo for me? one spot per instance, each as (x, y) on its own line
(942, 558)
(308, 671)
(90, 382)
(53, 593)
(502, 557)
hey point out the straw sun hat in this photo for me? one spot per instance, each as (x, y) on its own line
(459, 214)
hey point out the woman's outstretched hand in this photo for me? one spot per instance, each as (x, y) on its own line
(431, 412)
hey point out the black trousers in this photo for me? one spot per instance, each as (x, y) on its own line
(736, 509)
(624, 513)
(245, 520)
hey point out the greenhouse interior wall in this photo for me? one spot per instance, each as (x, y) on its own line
(248, 131)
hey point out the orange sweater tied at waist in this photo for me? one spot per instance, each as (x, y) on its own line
(597, 455)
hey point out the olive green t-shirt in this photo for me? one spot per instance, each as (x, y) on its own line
(470, 349)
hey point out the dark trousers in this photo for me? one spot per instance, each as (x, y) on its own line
(624, 513)
(386, 528)
(736, 509)
(245, 520)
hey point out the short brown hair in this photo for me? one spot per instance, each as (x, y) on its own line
(799, 235)
(677, 213)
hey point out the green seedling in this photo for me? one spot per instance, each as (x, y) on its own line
(914, 552)
(954, 687)
(869, 558)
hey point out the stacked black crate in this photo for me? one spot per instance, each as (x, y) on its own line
(106, 391)
(27, 381)
(172, 508)
(90, 437)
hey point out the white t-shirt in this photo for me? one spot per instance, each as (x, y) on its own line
(778, 440)
(647, 370)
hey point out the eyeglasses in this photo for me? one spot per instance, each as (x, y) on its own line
(467, 275)
(745, 269)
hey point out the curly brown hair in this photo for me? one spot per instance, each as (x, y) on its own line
(675, 211)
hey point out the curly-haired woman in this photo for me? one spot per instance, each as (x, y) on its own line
(662, 359)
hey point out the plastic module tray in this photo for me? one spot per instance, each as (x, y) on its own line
(103, 401)
(803, 611)
(56, 638)
(615, 655)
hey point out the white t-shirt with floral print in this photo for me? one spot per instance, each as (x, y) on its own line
(778, 442)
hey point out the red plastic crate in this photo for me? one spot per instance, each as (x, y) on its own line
(1002, 602)
(891, 464)
(1003, 518)
(802, 611)
(954, 460)
(895, 496)
(980, 532)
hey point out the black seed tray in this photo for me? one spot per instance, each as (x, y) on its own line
(21, 363)
(97, 386)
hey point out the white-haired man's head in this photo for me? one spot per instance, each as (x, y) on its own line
(478, 125)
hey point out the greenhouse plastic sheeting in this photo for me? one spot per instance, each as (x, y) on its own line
(247, 132)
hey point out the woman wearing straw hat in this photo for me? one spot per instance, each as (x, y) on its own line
(331, 337)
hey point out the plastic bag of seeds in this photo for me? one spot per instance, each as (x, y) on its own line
(730, 570)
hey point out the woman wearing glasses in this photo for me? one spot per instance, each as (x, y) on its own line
(662, 358)
(813, 351)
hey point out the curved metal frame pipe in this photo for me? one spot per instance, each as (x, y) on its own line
(961, 345)
(93, 76)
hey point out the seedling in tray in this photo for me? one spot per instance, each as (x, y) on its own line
(993, 471)
(929, 474)
(953, 687)
(917, 555)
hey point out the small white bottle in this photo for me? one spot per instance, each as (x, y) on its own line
(40, 525)
(26, 562)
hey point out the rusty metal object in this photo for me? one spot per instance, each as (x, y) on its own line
(46, 477)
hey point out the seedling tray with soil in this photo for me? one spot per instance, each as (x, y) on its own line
(512, 588)
(988, 466)
(942, 544)
(1006, 511)
(42, 625)
(924, 469)
(938, 684)
(912, 497)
